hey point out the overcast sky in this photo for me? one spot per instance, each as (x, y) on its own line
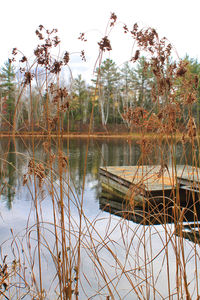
(178, 20)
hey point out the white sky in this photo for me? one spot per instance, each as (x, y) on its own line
(178, 20)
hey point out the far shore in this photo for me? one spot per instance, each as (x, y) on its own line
(122, 135)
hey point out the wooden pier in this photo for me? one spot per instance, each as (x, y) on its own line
(151, 214)
(144, 182)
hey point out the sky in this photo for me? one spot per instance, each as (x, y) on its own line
(178, 20)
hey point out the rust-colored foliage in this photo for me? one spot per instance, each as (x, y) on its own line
(104, 44)
(173, 86)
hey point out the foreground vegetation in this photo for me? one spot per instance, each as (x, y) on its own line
(160, 96)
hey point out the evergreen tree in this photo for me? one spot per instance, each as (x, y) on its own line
(108, 88)
(128, 86)
(7, 87)
(81, 95)
(194, 68)
(143, 76)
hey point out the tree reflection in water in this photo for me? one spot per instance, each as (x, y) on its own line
(8, 172)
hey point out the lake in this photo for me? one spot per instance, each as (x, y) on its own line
(118, 258)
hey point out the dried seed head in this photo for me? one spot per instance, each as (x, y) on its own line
(191, 128)
(14, 51)
(136, 56)
(66, 58)
(181, 71)
(56, 67)
(23, 59)
(191, 98)
(63, 159)
(125, 28)
(24, 179)
(40, 173)
(56, 41)
(31, 166)
(183, 140)
(40, 36)
(40, 27)
(28, 76)
(82, 37)
(83, 55)
(182, 68)
(135, 29)
(104, 44)
(113, 19)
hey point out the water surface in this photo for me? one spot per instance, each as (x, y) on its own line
(118, 243)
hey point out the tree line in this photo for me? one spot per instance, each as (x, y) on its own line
(111, 97)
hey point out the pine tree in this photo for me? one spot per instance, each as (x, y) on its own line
(81, 95)
(108, 81)
(144, 77)
(7, 87)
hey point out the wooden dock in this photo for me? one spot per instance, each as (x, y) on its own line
(152, 214)
(144, 182)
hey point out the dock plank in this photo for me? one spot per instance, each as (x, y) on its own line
(150, 178)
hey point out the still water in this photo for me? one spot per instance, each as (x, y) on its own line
(120, 246)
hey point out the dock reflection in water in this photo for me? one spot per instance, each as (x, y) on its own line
(185, 218)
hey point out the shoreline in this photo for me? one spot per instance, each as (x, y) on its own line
(86, 135)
